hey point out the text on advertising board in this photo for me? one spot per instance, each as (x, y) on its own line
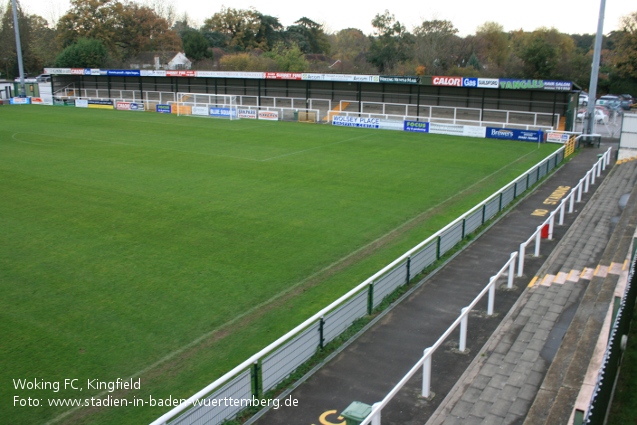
(447, 81)
(416, 126)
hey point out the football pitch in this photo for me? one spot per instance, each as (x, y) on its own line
(169, 249)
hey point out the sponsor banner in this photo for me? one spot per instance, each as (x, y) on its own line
(100, 104)
(341, 77)
(152, 73)
(558, 85)
(457, 130)
(37, 101)
(163, 109)
(557, 137)
(19, 101)
(81, 103)
(398, 80)
(230, 74)
(446, 81)
(80, 71)
(186, 73)
(416, 126)
(355, 122)
(453, 130)
(123, 73)
(129, 106)
(482, 83)
(222, 112)
(57, 71)
(514, 134)
(553, 85)
(283, 76)
(269, 115)
(200, 110)
(250, 114)
(488, 83)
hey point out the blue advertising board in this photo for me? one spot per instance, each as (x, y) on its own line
(514, 134)
(416, 126)
(222, 112)
(163, 109)
(123, 73)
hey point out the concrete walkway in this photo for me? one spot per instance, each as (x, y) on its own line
(503, 380)
(534, 367)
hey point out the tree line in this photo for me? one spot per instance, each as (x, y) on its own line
(112, 33)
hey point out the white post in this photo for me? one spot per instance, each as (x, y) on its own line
(463, 329)
(571, 204)
(586, 179)
(426, 373)
(491, 296)
(562, 208)
(521, 259)
(511, 269)
(538, 235)
(579, 191)
(594, 173)
(599, 166)
(551, 225)
(376, 417)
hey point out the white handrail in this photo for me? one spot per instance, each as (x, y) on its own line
(425, 360)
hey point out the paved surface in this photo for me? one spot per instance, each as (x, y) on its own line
(534, 366)
(509, 354)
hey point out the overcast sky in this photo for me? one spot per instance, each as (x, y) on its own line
(570, 17)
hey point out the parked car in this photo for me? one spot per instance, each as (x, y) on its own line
(583, 99)
(601, 117)
(626, 101)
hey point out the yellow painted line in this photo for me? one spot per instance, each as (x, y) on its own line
(625, 265)
(532, 282)
(324, 421)
(596, 270)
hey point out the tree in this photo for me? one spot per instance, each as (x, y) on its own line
(390, 44)
(625, 59)
(195, 45)
(125, 29)
(309, 36)
(35, 38)
(84, 53)
(492, 46)
(348, 44)
(240, 26)
(435, 45)
(288, 58)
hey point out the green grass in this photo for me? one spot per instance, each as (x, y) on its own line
(173, 248)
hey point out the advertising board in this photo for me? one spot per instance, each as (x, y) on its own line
(19, 101)
(222, 112)
(416, 126)
(200, 110)
(446, 81)
(250, 114)
(269, 115)
(355, 122)
(514, 134)
(129, 106)
(163, 109)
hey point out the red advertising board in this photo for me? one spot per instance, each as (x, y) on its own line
(283, 76)
(446, 81)
(180, 73)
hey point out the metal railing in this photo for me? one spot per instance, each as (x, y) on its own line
(276, 362)
(424, 363)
